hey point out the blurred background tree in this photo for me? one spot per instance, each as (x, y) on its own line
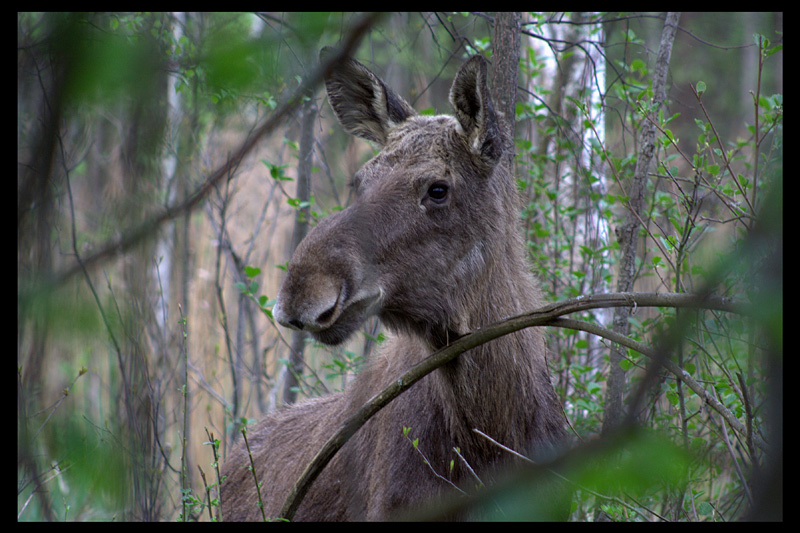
(165, 161)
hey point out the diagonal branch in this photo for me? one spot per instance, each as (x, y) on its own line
(540, 317)
(139, 233)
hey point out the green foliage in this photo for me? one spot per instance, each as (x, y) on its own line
(251, 291)
(93, 93)
(90, 474)
(704, 198)
(623, 480)
(106, 67)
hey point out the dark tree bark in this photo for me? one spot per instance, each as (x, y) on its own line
(505, 71)
(628, 234)
(306, 158)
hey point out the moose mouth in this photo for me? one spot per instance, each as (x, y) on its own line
(349, 319)
(337, 323)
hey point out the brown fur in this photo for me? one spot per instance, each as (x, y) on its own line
(431, 245)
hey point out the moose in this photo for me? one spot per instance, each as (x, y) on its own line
(430, 244)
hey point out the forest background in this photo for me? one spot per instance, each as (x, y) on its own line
(168, 164)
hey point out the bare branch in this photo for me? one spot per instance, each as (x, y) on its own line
(135, 235)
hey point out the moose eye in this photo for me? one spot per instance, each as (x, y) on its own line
(438, 192)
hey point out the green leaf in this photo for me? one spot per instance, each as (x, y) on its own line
(672, 396)
(776, 48)
(670, 119)
(229, 60)
(700, 88)
(760, 40)
(276, 171)
(251, 272)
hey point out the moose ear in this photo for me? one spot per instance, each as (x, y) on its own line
(364, 105)
(473, 109)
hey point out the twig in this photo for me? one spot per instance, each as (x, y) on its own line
(208, 492)
(468, 466)
(223, 314)
(185, 393)
(673, 368)
(134, 236)
(255, 476)
(58, 403)
(577, 485)
(39, 484)
(722, 149)
(506, 448)
(415, 444)
(214, 448)
(748, 416)
(737, 467)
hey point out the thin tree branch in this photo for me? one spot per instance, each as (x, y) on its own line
(145, 229)
(673, 368)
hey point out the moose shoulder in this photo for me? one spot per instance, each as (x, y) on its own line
(431, 245)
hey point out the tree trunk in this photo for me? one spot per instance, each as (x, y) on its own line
(628, 233)
(306, 158)
(505, 71)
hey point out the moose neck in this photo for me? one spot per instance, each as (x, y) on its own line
(481, 388)
(502, 286)
(480, 385)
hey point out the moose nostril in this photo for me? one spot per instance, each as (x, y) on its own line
(326, 315)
